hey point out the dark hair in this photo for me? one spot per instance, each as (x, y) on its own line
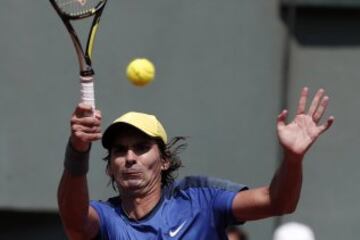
(169, 152)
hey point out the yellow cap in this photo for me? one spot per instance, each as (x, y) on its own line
(146, 123)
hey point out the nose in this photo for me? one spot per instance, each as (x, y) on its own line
(130, 158)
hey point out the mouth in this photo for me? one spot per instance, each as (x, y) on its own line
(131, 174)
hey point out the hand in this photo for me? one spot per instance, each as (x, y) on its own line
(297, 136)
(85, 127)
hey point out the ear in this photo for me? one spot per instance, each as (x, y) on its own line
(165, 164)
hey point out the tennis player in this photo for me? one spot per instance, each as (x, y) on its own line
(149, 204)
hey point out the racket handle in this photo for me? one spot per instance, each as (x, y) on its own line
(87, 91)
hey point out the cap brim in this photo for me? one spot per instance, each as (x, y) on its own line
(114, 129)
(111, 131)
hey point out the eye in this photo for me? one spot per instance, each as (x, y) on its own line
(119, 150)
(142, 147)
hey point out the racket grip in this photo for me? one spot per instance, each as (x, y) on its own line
(87, 91)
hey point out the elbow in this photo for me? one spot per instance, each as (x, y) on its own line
(75, 234)
(284, 205)
(283, 209)
(288, 210)
(291, 209)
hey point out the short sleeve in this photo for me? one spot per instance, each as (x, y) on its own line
(99, 208)
(214, 194)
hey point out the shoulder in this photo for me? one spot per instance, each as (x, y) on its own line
(103, 206)
(111, 219)
(213, 194)
(203, 182)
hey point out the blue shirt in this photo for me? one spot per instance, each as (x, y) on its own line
(194, 208)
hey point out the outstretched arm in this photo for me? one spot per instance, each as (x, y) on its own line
(295, 138)
(79, 219)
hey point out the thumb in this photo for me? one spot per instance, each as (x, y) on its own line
(281, 119)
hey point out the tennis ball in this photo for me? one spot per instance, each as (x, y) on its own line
(140, 71)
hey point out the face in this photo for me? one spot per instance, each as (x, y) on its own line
(136, 162)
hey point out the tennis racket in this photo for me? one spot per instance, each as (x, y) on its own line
(71, 10)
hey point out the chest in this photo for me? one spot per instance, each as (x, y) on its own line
(180, 219)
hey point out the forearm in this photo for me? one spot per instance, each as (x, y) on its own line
(285, 187)
(279, 198)
(73, 197)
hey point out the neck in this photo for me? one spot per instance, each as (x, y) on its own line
(138, 206)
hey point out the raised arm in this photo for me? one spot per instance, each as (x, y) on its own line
(296, 138)
(79, 219)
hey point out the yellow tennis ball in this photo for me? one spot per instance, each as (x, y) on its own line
(140, 72)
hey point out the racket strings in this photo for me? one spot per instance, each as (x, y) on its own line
(77, 7)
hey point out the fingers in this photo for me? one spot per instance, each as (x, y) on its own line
(86, 133)
(317, 107)
(83, 137)
(327, 124)
(321, 109)
(85, 126)
(302, 101)
(85, 113)
(316, 101)
(98, 114)
(83, 109)
(85, 122)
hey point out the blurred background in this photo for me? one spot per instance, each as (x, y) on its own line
(225, 69)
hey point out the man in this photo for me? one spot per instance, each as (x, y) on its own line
(147, 206)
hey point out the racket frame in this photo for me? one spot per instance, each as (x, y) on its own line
(84, 57)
